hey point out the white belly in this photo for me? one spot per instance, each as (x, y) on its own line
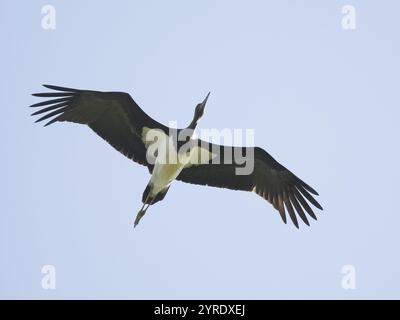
(167, 167)
(163, 175)
(168, 163)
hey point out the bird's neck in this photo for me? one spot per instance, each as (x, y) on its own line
(193, 124)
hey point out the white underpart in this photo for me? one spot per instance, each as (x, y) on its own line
(169, 164)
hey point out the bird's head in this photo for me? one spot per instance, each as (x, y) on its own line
(199, 112)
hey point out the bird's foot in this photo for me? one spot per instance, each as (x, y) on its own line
(138, 217)
(140, 214)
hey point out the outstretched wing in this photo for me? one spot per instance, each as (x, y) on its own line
(114, 116)
(268, 179)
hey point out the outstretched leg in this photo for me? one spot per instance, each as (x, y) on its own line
(148, 199)
(143, 210)
(140, 214)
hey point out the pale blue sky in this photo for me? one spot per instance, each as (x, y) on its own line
(323, 101)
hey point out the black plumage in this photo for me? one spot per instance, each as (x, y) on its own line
(117, 118)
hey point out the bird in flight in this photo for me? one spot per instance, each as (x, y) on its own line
(117, 118)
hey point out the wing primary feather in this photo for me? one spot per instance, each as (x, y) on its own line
(308, 188)
(304, 204)
(309, 197)
(49, 86)
(290, 210)
(51, 114)
(275, 201)
(45, 103)
(270, 199)
(298, 207)
(53, 94)
(56, 106)
(281, 208)
(54, 120)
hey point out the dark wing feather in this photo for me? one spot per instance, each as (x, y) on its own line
(114, 116)
(269, 179)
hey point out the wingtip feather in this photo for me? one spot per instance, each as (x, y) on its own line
(59, 88)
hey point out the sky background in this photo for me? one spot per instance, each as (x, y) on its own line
(322, 100)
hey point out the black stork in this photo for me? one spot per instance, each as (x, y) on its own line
(117, 118)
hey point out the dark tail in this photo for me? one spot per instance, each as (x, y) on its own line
(149, 200)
